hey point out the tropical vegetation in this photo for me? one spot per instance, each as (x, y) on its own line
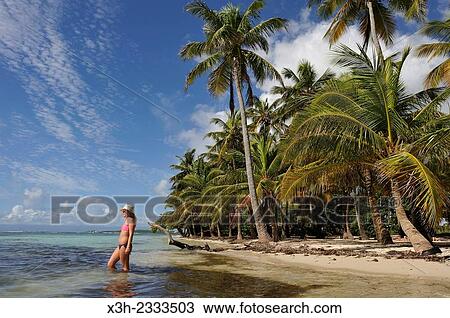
(341, 142)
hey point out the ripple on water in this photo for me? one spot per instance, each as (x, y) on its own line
(45, 270)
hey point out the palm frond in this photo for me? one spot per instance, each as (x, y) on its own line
(202, 67)
(438, 29)
(253, 12)
(417, 183)
(261, 68)
(432, 50)
(412, 9)
(439, 74)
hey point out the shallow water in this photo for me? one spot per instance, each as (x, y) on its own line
(73, 265)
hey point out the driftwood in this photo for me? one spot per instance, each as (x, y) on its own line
(176, 243)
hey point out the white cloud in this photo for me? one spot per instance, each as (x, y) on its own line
(27, 212)
(415, 69)
(444, 9)
(305, 40)
(32, 196)
(194, 138)
(162, 188)
(21, 215)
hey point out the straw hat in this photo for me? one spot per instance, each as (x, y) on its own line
(129, 207)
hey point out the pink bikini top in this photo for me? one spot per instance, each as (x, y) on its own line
(125, 227)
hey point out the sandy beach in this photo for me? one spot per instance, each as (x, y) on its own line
(362, 257)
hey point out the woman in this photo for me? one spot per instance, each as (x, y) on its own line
(122, 252)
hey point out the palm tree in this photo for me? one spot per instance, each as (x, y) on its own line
(370, 120)
(382, 234)
(231, 39)
(375, 18)
(226, 139)
(268, 173)
(440, 30)
(185, 166)
(265, 119)
(187, 199)
(306, 83)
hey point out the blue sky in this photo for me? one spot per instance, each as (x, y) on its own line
(66, 127)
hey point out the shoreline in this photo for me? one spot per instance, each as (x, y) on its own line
(336, 256)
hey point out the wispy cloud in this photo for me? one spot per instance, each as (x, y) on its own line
(34, 47)
(51, 46)
(53, 178)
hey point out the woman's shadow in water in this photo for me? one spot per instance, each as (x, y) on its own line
(120, 286)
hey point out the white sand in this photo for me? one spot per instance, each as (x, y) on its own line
(377, 265)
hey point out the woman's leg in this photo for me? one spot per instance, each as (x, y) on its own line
(127, 262)
(123, 259)
(114, 259)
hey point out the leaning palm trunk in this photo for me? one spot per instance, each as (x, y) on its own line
(381, 232)
(263, 235)
(419, 242)
(373, 33)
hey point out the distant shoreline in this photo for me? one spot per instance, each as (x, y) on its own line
(362, 257)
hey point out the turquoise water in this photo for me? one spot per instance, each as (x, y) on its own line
(74, 265)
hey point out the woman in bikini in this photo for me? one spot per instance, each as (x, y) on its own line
(123, 250)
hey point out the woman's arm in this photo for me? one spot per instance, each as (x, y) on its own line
(131, 228)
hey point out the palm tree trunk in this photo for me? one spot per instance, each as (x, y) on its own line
(287, 229)
(282, 223)
(219, 236)
(230, 223)
(239, 231)
(362, 230)
(419, 242)
(347, 233)
(373, 33)
(275, 236)
(381, 232)
(263, 235)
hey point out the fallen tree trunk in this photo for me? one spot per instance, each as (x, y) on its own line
(176, 243)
